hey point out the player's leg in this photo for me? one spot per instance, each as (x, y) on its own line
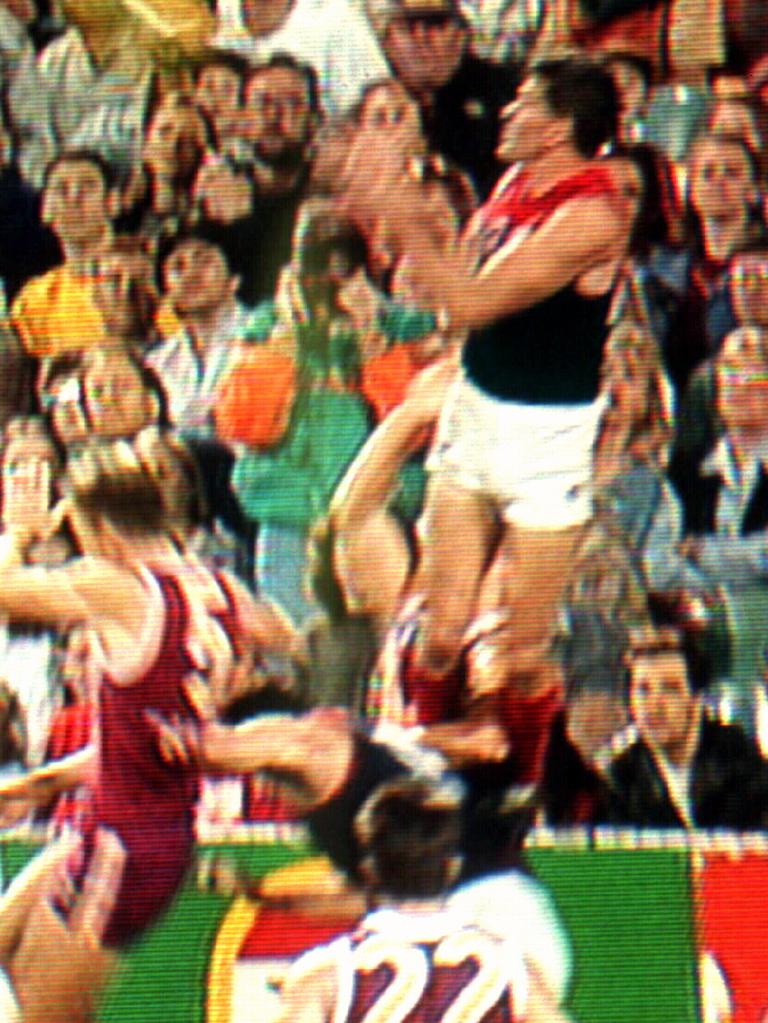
(459, 531)
(59, 968)
(58, 974)
(24, 891)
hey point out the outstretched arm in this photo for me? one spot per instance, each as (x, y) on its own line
(369, 482)
(381, 191)
(314, 752)
(38, 787)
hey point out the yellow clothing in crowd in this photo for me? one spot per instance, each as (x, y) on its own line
(55, 314)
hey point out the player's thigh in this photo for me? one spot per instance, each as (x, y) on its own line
(58, 975)
(458, 530)
(537, 564)
(25, 891)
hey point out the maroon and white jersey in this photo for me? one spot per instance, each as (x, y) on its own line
(408, 966)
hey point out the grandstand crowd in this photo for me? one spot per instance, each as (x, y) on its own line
(203, 261)
(384, 409)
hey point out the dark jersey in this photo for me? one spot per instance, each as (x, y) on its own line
(551, 352)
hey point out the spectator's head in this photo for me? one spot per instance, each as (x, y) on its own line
(386, 104)
(219, 86)
(741, 378)
(722, 183)
(196, 276)
(125, 292)
(633, 77)
(569, 102)
(734, 110)
(409, 833)
(637, 425)
(177, 136)
(30, 468)
(13, 731)
(663, 690)
(643, 176)
(260, 17)
(748, 285)
(109, 393)
(77, 664)
(424, 41)
(80, 198)
(327, 251)
(282, 107)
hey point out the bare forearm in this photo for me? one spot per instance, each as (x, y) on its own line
(371, 478)
(463, 743)
(58, 776)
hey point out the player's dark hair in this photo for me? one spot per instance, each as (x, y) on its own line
(585, 92)
(409, 832)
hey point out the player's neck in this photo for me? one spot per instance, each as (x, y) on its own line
(552, 166)
(415, 907)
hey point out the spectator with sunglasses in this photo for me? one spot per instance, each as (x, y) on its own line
(682, 768)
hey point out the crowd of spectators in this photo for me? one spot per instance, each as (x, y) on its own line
(180, 270)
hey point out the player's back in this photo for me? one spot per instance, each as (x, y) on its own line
(407, 966)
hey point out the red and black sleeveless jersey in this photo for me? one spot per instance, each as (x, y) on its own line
(551, 352)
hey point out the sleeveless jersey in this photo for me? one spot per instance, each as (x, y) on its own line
(406, 967)
(146, 802)
(551, 352)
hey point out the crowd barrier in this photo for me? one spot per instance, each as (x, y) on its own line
(666, 927)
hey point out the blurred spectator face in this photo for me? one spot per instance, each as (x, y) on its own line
(661, 702)
(218, 91)
(75, 663)
(425, 51)
(28, 468)
(721, 179)
(734, 117)
(280, 119)
(389, 106)
(116, 401)
(626, 378)
(62, 398)
(629, 182)
(125, 294)
(175, 139)
(742, 387)
(76, 203)
(631, 86)
(197, 278)
(748, 277)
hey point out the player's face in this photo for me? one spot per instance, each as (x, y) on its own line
(528, 125)
(661, 701)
